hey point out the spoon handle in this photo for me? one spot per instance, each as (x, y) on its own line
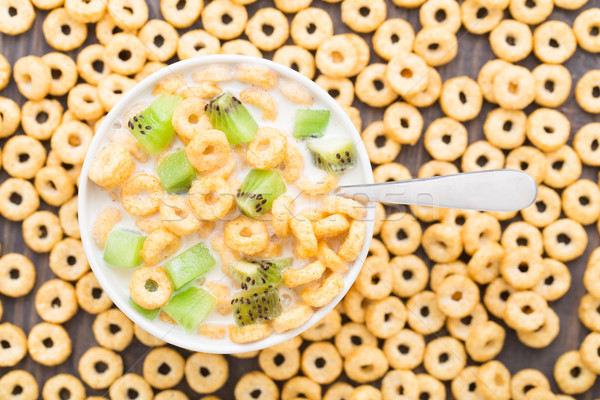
(496, 190)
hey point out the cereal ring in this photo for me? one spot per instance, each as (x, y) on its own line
(363, 16)
(21, 382)
(554, 42)
(564, 239)
(19, 199)
(279, 365)
(589, 351)
(41, 231)
(406, 73)
(496, 294)
(10, 116)
(160, 38)
(386, 317)
(548, 129)
(128, 14)
(444, 358)
(311, 27)
(303, 231)
(91, 64)
(513, 87)
(84, 102)
(401, 233)
(112, 88)
(571, 374)
(440, 14)
(62, 31)
(493, 380)
(49, 344)
(104, 223)
(16, 17)
(372, 87)
(40, 119)
(131, 200)
(206, 373)
(125, 54)
(587, 91)
(520, 234)
(584, 27)
(113, 330)
(484, 265)
(442, 243)
(321, 362)
(525, 311)
(430, 94)
(99, 367)
(351, 336)
(177, 216)
(256, 385)
(54, 185)
(479, 230)
(479, 19)
(409, 274)
(424, 315)
(531, 14)
(130, 383)
(197, 43)
(85, 11)
(211, 198)
(485, 341)
(158, 246)
(365, 364)
(380, 153)
(341, 89)
(511, 40)
(320, 295)
(325, 329)
(481, 156)
(17, 275)
(400, 381)
(404, 350)
(393, 36)
(163, 367)
(5, 71)
(67, 260)
(435, 45)
(150, 287)
(246, 235)
(55, 301)
(300, 387)
(337, 57)
(63, 385)
(457, 296)
(529, 160)
(564, 167)
(460, 328)
(90, 295)
(266, 150)
(586, 143)
(106, 28)
(146, 338)
(556, 280)
(224, 19)
(486, 76)
(33, 77)
(181, 15)
(464, 386)
(440, 272)
(521, 267)
(526, 380)
(16, 344)
(268, 29)
(403, 123)
(375, 279)
(208, 150)
(581, 201)
(446, 139)
(552, 84)
(461, 98)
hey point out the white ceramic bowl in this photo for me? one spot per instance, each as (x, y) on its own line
(115, 280)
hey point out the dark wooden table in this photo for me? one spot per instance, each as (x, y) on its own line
(473, 52)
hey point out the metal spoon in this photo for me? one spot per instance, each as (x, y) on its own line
(496, 190)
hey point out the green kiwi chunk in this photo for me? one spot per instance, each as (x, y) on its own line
(256, 305)
(334, 155)
(253, 273)
(189, 265)
(123, 248)
(190, 307)
(258, 191)
(230, 116)
(148, 314)
(152, 127)
(175, 172)
(311, 123)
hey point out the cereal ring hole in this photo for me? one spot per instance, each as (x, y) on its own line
(541, 206)
(23, 157)
(226, 18)
(424, 311)
(530, 4)
(553, 43)
(17, 390)
(594, 145)
(378, 84)
(504, 295)
(481, 13)
(575, 372)
(443, 358)
(132, 394)
(159, 40)
(48, 343)
(407, 274)
(98, 66)
(125, 55)
(333, 93)
(5, 344)
(268, 29)
(164, 369)
(440, 15)
(466, 320)
(279, 359)
(56, 303)
(64, 394)
(563, 238)
(14, 273)
(406, 73)
(41, 117)
(114, 329)
(584, 200)
(549, 280)
(521, 241)
(96, 293)
(320, 362)
(356, 340)
(523, 267)
(482, 161)
(456, 296)
(204, 371)
(151, 285)
(557, 165)
(596, 91)
(527, 310)
(15, 198)
(255, 394)
(401, 234)
(100, 367)
(510, 40)
(65, 29)
(12, 12)
(403, 349)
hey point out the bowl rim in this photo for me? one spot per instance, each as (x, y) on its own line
(163, 331)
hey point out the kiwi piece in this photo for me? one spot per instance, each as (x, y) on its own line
(175, 172)
(258, 191)
(253, 273)
(230, 116)
(311, 123)
(152, 127)
(123, 248)
(190, 307)
(148, 314)
(256, 305)
(334, 155)
(189, 265)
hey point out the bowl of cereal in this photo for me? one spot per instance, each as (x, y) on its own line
(207, 205)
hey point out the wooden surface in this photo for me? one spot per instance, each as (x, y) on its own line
(473, 52)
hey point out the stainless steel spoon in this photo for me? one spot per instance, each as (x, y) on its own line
(496, 190)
